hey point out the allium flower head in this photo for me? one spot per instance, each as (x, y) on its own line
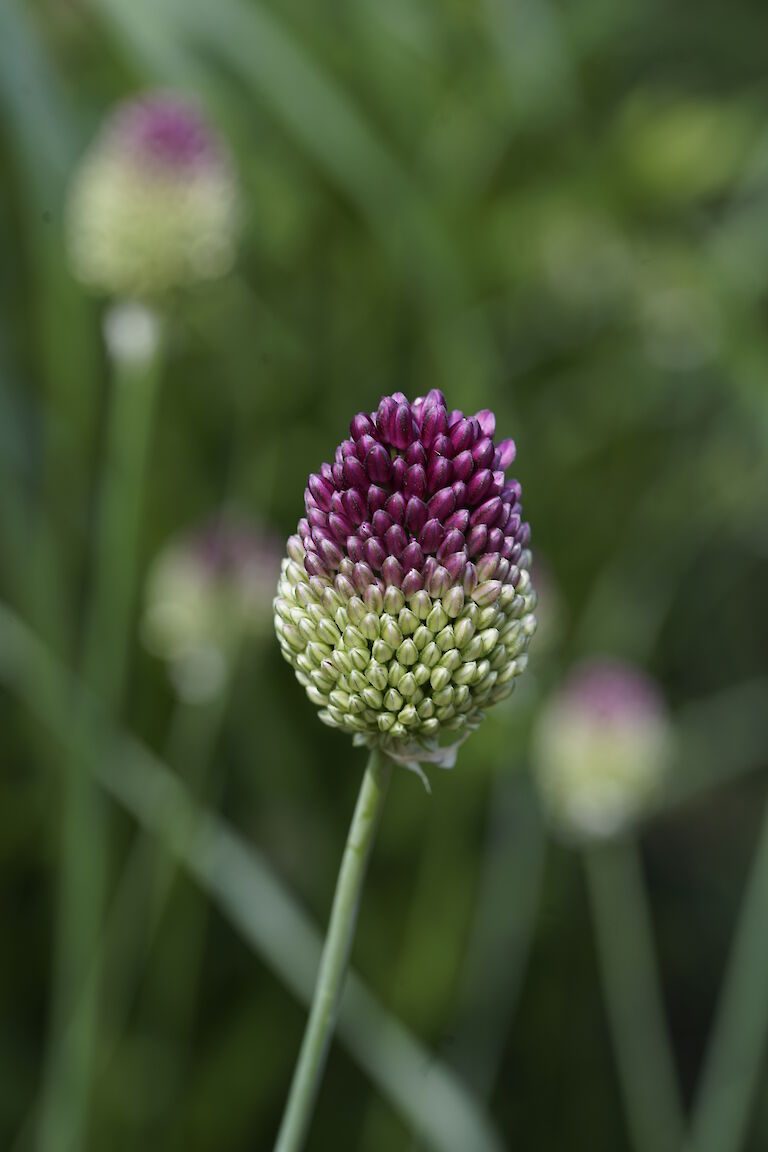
(206, 592)
(405, 603)
(154, 204)
(601, 749)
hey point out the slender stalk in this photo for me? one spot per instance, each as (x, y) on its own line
(69, 1063)
(335, 958)
(624, 940)
(733, 1063)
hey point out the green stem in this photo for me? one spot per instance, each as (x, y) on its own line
(70, 1055)
(733, 1063)
(626, 954)
(335, 958)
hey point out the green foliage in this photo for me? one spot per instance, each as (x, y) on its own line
(556, 211)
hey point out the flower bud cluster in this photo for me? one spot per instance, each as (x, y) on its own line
(405, 602)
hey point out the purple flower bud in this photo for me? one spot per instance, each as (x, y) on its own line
(392, 572)
(380, 522)
(412, 557)
(512, 492)
(433, 425)
(377, 465)
(321, 491)
(340, 526)
(416, 454)
(361, 425)
(374, 553)
(435, 396)
(338, 474)
(355, 475)
(431, 535)
(377, 498)
(329, 551)
(462, 436)
(495, 540)
(441, 504)
(497, 484)
(439, 473)
(470, 578)
(403, 430)
(363, 446)
(395, 506)
(415, 481)
(463, 465)
(483, 453)
(454, 565)
(506, 452)
(487, 422)
(441, 446)
(413, 582)
(459, 490)
(364, 576)
(384, 414)
(356, 548)
(478, 486)
(314, 565)
(440, 582)
(399, 470)
(416, 515)
(512, 526)
(396, 540)
(316, 517)
(453, 541)
(489, 512)
(354, 505)
(477, 540)
(458, 519)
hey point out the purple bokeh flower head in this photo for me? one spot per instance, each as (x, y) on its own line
(208, 591)
(601, 748)
(154, 203)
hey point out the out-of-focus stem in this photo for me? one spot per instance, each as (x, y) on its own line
(333, 965)
(502, 932)
(630, 977)
(734, 1059)
(69, 1063)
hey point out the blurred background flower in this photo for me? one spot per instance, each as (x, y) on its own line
(207, 592)
(153, 204)
(601, 747)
